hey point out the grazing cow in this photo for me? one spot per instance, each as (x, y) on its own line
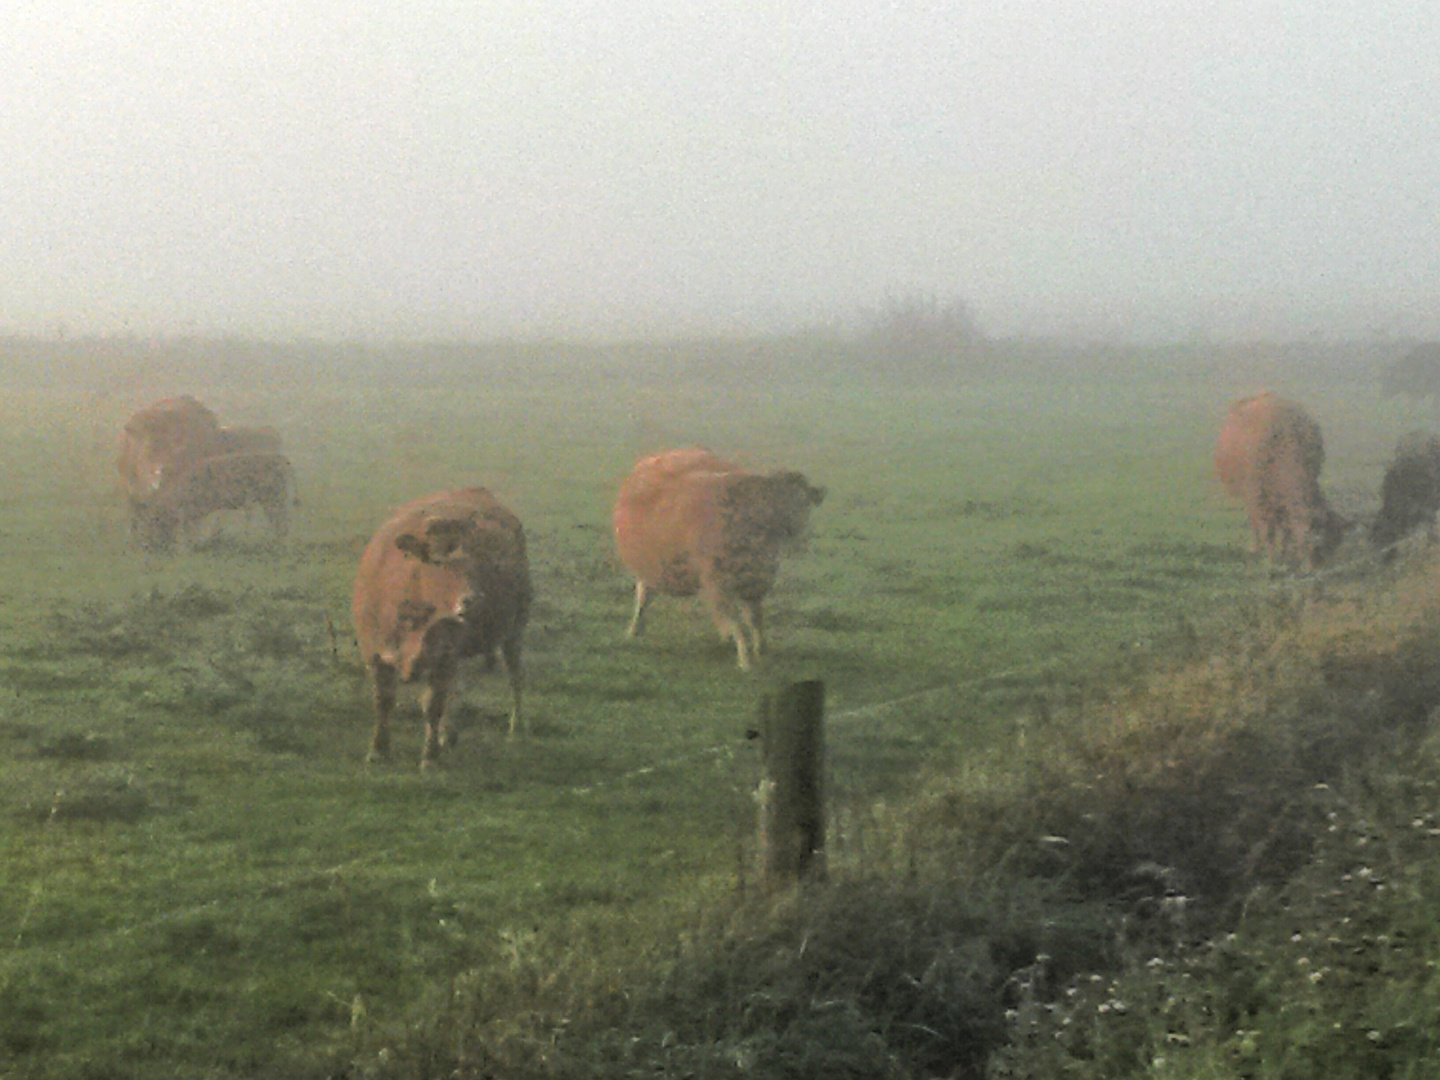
(160, 437)
(1410, 492)
(210, 484)
(1269, 457)
(168, 439)
(689, 522)
(444, 579)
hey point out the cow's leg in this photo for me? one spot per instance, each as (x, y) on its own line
(510, 650)
(728, 621)
(437, 695)
(742, 647)
(642, 600)
(1257, 536)
(385, 678)
(277, 517)
(752, 617)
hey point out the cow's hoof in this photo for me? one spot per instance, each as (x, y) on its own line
(376, 757)
(428, 765)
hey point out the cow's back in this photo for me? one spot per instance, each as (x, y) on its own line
(229, 482)
(246, 440)
(1270, 455)
(664, 504)
(1238, 451)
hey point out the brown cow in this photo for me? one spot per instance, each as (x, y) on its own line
(445, 578)
(167, 439)
(1269, 457)
(689, 522)
(202, 487)
(160, 436)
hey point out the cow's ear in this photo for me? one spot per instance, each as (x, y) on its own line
(413, 546)
(817, 495)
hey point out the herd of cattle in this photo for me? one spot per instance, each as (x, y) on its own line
(447, 577)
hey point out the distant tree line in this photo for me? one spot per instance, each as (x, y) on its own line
(919, 337)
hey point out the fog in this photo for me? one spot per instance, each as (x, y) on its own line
(453, 169)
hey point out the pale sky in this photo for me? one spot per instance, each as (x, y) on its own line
(478, 168)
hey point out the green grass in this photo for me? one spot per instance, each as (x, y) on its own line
(199, 876)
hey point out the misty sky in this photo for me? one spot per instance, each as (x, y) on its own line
(462, 167)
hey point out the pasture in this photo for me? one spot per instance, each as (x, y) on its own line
(200, 875)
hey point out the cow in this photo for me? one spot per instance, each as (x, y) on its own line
(207, 485)
(444, 579)
(169, 438)
(688, 521)
(1410, 492)
(1269, 457)
(161, 436)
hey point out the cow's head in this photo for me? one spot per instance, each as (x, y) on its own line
(431, 622)
(775, 506)
(792, 497)
(162, 437)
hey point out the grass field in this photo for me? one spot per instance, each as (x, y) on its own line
(201, 877)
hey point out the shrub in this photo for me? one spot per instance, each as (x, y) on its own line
(919, 337)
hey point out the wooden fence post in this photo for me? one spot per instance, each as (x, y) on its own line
(792, 795)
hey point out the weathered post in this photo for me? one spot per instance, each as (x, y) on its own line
(792, 795)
